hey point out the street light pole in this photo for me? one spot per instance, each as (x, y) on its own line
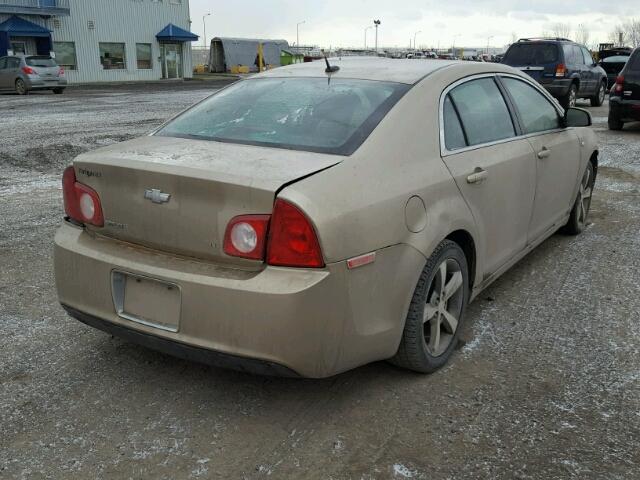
(204, 24)
(453, 46)
(376, 23)
(414, 38)
(298, 34)
(365, 36)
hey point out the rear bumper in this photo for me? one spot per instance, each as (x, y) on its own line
(35, 82)
(624, 110)
(314, 323)
(180, 350)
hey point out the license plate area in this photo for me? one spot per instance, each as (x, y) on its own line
(146, 300)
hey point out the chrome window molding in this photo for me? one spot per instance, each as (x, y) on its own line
(444, 152)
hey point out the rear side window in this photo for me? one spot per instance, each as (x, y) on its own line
(3, 63)
(453, 133)
(573, 55)
(634, 62)
(536, 112)
(13, 62)
(531, 54)
(483, 111)
(40, 62)
(313, 114)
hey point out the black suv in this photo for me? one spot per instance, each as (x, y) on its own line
(566, 69)
(624, 98)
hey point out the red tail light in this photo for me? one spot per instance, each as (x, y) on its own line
(61, 72)
(619, 86)
(561, 70)
(292, 239)
(28, 70)
(246, 236)
(81, 203)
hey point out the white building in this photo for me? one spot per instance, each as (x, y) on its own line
(102, 40)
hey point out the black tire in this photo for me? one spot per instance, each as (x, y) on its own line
(580, 211)
(58, 91)
(614, 122)
(413, 352)
(566, 100)
(21, 87)
(598, 99)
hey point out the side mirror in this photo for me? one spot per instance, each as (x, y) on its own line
(577, 117)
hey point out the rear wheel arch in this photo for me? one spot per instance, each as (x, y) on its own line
(468, 245)
(594, 161)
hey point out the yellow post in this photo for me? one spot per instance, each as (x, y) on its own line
(260, 57)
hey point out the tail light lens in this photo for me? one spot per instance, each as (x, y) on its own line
(561, 70)
(81, 203)
(246, 236)
(619, 86)
(28, 70)
(292, 239)
(61, 72)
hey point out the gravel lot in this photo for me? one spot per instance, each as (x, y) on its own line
(546, 384)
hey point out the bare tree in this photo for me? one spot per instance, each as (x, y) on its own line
(582, 35)
(562, 30)
(618, 36)
(631, 29)
(514, 37)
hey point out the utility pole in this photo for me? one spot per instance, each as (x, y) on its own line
(376, 23)
(453, 45)
(414, 38)
(365, 36)
(204, 24)
(298, 34)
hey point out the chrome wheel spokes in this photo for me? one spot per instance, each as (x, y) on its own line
(443, 308)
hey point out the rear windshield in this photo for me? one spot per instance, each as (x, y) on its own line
(531, 54)
(616, 59)
(40, 62)
(313, 114)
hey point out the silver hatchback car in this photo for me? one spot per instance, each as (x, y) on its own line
(25, 73)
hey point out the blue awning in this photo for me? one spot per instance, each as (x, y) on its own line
(171, 33)
(19, 27)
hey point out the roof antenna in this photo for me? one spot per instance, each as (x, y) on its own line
(330, 68)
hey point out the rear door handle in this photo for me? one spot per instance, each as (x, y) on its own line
(478, 176)
(544, 153)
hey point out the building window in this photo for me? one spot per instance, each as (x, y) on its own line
(66, 55)
(143, 55)
(112, 56)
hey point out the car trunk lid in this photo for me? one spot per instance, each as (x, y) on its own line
(178, 195)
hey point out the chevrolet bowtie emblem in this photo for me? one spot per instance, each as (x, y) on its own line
(156, 196)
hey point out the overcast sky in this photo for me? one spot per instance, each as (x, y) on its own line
(342, 22)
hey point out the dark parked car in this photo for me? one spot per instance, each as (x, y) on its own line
(564, 68)
(38, 72)
(612, 61)
(624, 98)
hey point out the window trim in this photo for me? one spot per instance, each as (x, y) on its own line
(444, 152)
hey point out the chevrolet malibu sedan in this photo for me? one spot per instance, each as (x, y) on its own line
(306, 221)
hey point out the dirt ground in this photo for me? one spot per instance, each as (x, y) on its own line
(545, 385)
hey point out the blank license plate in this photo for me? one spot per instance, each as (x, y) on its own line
(146, 300)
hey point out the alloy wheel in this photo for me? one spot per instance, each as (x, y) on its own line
(572, 97)
(20, 87)
(601, 94)
(586, 192)
(445, 299)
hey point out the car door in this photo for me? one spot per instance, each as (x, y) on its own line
(491, 166)
(590, 67)
(3, 73)
(584, 71)
(556, 155)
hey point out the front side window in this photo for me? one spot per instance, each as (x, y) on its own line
(536, 111)
(312, 114)
(143, 55)
(112, 56)
(483, 112)
(66, 55)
